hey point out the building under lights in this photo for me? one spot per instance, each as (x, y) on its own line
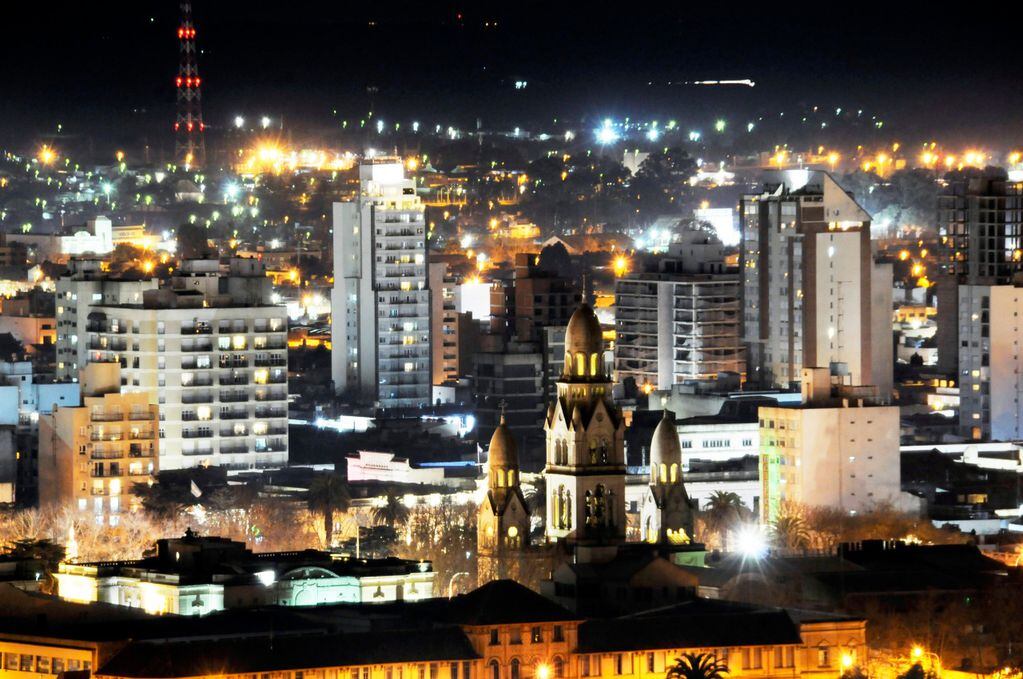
(209, 348)
(812, 293)
(980, 224)
(381, 350)
(198, 575)
(680, 322)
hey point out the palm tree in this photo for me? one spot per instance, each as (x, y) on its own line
(392, 513)
(328, 493)
(791, 533)
(697, 666)
(723, 511)
(536, 497)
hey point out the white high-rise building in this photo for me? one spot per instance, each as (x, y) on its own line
(210, 349)
(682, 321)
(812, 294)
(87, 285)
(839, 448)
(381, 297)
(990, 366)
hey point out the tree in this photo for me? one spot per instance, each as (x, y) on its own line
(328, 493)
(392, 513)
(790, 532)
(724, 510)
(697, 666)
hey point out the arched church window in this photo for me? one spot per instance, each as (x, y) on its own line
(511, 477)
(515, 669)
(590, 507)
(500, 477)
(593, 452)
(559, 667)
(593, 364)
(603, 447)
(664, 473)
(495, 669)
(674, 473)
(580, 364)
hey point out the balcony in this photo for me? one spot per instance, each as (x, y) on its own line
(197, 397)
(231, 433)
(197, 434)
(199, 381)
(270, 344)
(234, 415)
(107, 417)
(138, 450)
(270, 413)
(234, 362)
(233, 380)
(197, 346)
(271, 396)
(234, 396)
(198, 329)
(106, 436)
(234, 449)
(274, 361)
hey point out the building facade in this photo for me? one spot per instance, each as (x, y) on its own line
(91, 455)
(990, 384)
(585, 430)
(444, 324)
(86, 285)
(812, 294)
(210, 349)
(381, 349)
(839, 448)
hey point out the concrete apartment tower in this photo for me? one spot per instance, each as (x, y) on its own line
(209, 347)
(980, 224)
(381, 296)
(812, 293)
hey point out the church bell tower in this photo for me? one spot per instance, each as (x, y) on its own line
(502, 524)
(585, 468)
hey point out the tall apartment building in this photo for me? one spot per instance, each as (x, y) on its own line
(838, 448)
(86, 285)
(509, 379)
(680, 321)
(91, 455)
(812, 294)
(211, 349)
(980, 224)
(536, 297)
(381, 296)
(990, 379)
(444, 323)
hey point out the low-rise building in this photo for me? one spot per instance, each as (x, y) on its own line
(839, 448)
(197, 575)
(91, 455)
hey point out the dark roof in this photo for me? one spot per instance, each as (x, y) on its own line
(504, 601)
(700, 623)
(271, 653)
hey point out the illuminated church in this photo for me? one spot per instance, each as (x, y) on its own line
(585, 476)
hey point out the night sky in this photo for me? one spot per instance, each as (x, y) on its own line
(107, 68)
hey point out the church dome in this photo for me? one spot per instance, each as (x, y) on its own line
(584, 344)
(665, 448)
(503, 452)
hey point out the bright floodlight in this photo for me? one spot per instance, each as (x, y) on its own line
(265, 122)
(653, 134)
(239, 122)
(751, 542)
(607, 133)
(719, 125)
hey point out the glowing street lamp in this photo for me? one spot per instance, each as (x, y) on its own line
(620, 265)
(239, 122)
(543, 671)
(46, 155)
